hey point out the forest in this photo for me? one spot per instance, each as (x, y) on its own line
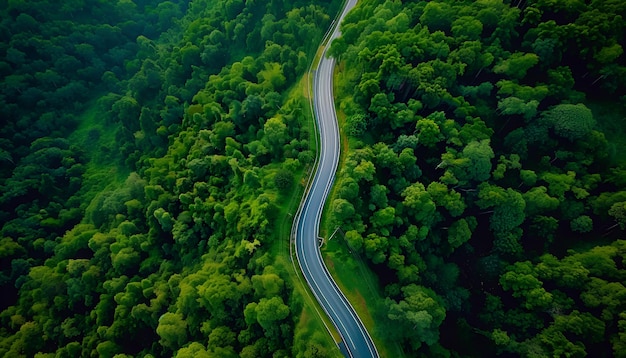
(153, 154)
(149, 152)
(484, 182)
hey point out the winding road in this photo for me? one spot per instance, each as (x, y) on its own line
(356, 342)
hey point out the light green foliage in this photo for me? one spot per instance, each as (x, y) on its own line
(467, 28)
(270, 311)
(376, 247)
(164, 218)
(364, 170)
(272, 76)
(522, 281)
(194, 349)
(514, 105)
(517, 64)
(559, 184)
(609, 54)
(618, 211)
(420, 202)
(500, 337)
(383, 217)
(428, 133)
(528, 177)
(354, 239)
(267, 284)
(448, 198)
(538, 201)
(205, 122)
(526, 94)
(173, 330)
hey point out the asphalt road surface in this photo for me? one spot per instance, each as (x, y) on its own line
(356, 342)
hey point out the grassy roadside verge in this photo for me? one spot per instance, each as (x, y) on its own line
(351, 273)
(311, 323)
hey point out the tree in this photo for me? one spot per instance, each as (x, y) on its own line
(383, 218)
(354, 239)
(172, 329)
(522, 280)
(538, 201)
(508, 204)
(447, 198)
(272, 76)
(514, 105)
(582, 224)
(559, 184)
(417, 316)
(268, 284)
(378, 196)
(609, 54)
(618, 212)
(570, 121)
(605, 295)
(365, 170)
(376, 248)
(276, 133)
(478, 168)
(619, 342)
(517, 64)
(459, 233)
(271, 310)
(343, 210)
(194, 349)
(428, 133)
(419, 201)
(467, 28)
(510, 213)
(437, 16)
(283, 179)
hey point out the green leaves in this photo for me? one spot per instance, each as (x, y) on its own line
(270, 310)
(417, 316)
(173, 330)
(343, 210)
(420, 202)
(570, 121)
(459, 233)
(516, 65)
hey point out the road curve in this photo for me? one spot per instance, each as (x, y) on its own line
(356, 340)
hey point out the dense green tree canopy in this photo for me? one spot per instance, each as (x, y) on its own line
(147, 154)
(507, 162)
(150, 152)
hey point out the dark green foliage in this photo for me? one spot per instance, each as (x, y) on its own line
(488, 106)
(283, 179)
(570, 121)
